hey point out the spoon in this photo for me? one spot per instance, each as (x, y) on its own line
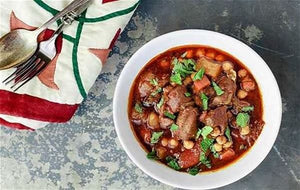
(19, 45)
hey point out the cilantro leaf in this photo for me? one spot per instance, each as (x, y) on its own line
(227, 133)
(173, 163)
(204, 160)
(176, 78)
(218, 90)
(248, 108)
(152, 155)
(174, 127)
(169, 115)
(155, 137)
(206, 143)
(204, 99)
(194, 170)
(206, 130)
(160, 103)
(199, 74)
(138, 108)
(156, 91)
(242, 119)
(187, 94)
(198, 133)
(154, 82)
(213, 150)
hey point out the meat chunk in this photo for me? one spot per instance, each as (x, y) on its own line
(187, 122)
(176, 98)
(211, 67)
(238, 105)
(216, 117)
(227, 154)
(165, 122)
(189, 157)
(229, 88)
(146, 88)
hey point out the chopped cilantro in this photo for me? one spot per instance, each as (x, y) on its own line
(199, 74)
(187, 94)
(174, 127)
(194, 170)
(242, 119)
(214, 152)
(227, 133)
(160, 103)
(218, 90)
(152, 155)
(156, 91)
(176, 78)
(248, 108)
(198, 134)
(172, 163)
(154, 82)
(242, 147)
(204, 99)
(204, 160)
(206, 143)
(138, 108)
(169, 115)
(155, 137)
(205, 131)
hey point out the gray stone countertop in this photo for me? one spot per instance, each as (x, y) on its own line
(85, 152)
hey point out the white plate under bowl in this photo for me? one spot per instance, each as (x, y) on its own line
(272, 107)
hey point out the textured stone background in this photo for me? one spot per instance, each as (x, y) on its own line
(85, 152)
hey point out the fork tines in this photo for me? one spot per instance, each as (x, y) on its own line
(25, 72)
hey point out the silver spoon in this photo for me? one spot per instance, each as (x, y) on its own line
(19, 45)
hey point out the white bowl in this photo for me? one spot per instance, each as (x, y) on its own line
(271, 105)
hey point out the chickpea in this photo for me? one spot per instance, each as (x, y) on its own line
(221, 139)
(192, 75)
(218, 147)
(242, 73)
(200, 52)
(173, 143)
(188, 144)
(153, 120)
(189, 54)
(164, 141)
(161, 152)
(220, 57)
(227, 144)
(211, 54)
(216, 132)
(245, 130)
(187, 80)
(242, 94)
(227, 65)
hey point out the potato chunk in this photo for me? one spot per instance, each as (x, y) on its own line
(211, 67)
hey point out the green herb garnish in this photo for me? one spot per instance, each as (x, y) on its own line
(206, 143)
(248, 108)
(160, 103)
(242, 147)
(138, 108)
(206, 130)
(156, 91)
(155, 137)
(174, 127)
(198, 133)
(194, 170)
(218, 90)
(227, 133)
(154, 82)
(169, 115)
(204, 99)
(214, 152)
(152, 155)
(204, 160)
(176, 78)
(187, 94)
(242, 119)
(172, 163)
(199, 74)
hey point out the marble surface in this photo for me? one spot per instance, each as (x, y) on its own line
(85, 152)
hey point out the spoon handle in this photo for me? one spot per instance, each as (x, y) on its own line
(72, 6)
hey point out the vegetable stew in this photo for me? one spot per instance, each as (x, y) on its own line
(195, 108)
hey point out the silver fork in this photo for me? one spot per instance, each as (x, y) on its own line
(43, 56)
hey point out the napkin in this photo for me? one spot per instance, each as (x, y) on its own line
(82, 50)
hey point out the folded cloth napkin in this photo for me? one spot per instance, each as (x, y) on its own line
(55, 94)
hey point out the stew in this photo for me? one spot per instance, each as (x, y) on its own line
(195, 108)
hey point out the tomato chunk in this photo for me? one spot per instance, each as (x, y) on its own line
(200, 84)
(228, 154)
(188, 158)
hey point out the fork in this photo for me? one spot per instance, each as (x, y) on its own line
(42, 57)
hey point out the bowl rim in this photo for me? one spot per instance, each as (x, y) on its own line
(124, 141)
